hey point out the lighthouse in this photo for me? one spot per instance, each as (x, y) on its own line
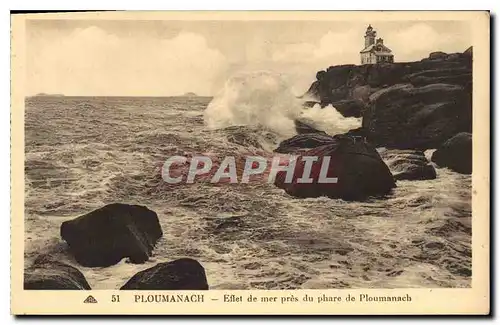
(375, 51)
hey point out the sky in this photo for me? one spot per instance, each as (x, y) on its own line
(168, 58)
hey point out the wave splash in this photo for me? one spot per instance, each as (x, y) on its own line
(262, 98)
(328, 119)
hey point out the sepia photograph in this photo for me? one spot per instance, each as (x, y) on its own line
(249, 154)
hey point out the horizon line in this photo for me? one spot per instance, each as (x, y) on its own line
(62, 95)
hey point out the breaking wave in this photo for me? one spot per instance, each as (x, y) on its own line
(328, 119)
(263, 98)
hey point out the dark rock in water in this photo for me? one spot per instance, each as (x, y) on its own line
(349, 108)
(403, 116)
(455, 153)
(309, 138)
(416, 173)
(304, 141)
(408, 164)
(107, 235)
(359, 170)
(181, 274)
(404, 105)
(303, 127)
(49, 274)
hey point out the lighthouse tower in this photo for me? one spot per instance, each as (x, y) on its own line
(370, 36)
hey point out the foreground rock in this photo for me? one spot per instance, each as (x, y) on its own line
(407, 105)
(408, 164)
(107, 235)
(49, 274)
(359, 170)
(181, 274)
(455, 153)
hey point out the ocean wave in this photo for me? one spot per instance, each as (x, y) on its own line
(263, 98)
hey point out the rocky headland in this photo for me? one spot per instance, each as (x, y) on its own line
(406, 105)
(406, 108)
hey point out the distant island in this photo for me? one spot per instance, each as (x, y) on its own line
(51, 95)
(190, 95)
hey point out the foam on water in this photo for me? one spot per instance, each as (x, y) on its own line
(247, 236)
(328, 119)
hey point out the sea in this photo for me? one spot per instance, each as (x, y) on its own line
(85, 152)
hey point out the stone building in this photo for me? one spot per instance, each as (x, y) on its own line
(375, 51)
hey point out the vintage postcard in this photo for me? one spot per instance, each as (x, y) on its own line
(250, 163)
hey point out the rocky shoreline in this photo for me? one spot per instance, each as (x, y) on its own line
(406, 108)
(103, 238)
(407, 105)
